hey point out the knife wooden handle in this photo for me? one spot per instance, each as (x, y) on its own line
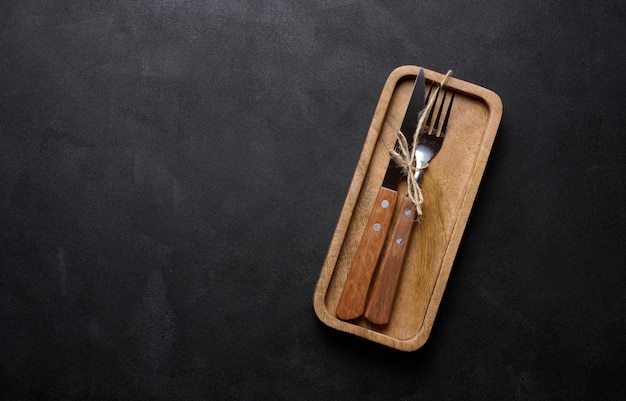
(383, 292)
(352, 300)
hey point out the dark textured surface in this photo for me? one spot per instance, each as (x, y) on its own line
(171, 173)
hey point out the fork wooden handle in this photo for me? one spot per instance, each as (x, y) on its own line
(383, 292)
(352, 301)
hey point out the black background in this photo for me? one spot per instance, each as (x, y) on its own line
(171, 173)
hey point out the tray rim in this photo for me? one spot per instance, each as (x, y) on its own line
(494, 107)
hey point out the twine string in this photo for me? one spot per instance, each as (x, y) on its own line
(404, 155)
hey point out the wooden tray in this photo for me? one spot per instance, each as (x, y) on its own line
(449, 185)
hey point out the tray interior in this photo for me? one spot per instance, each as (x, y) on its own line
(449, 186)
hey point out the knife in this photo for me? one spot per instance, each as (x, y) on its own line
(353, 297)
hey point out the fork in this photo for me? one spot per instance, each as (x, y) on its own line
(429, 143)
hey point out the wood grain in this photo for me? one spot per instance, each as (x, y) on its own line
(450, 186)
(383, 292)
(352, 301)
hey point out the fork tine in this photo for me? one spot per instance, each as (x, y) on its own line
(428, 127)
(436, 126)
(445, 120)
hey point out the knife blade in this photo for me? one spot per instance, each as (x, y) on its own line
(353, 297)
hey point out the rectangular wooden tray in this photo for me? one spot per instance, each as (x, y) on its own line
(450, 185)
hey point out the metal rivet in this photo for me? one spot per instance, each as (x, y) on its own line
(385, 204)
(377, 227)
(400, 240)
(407, 212)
